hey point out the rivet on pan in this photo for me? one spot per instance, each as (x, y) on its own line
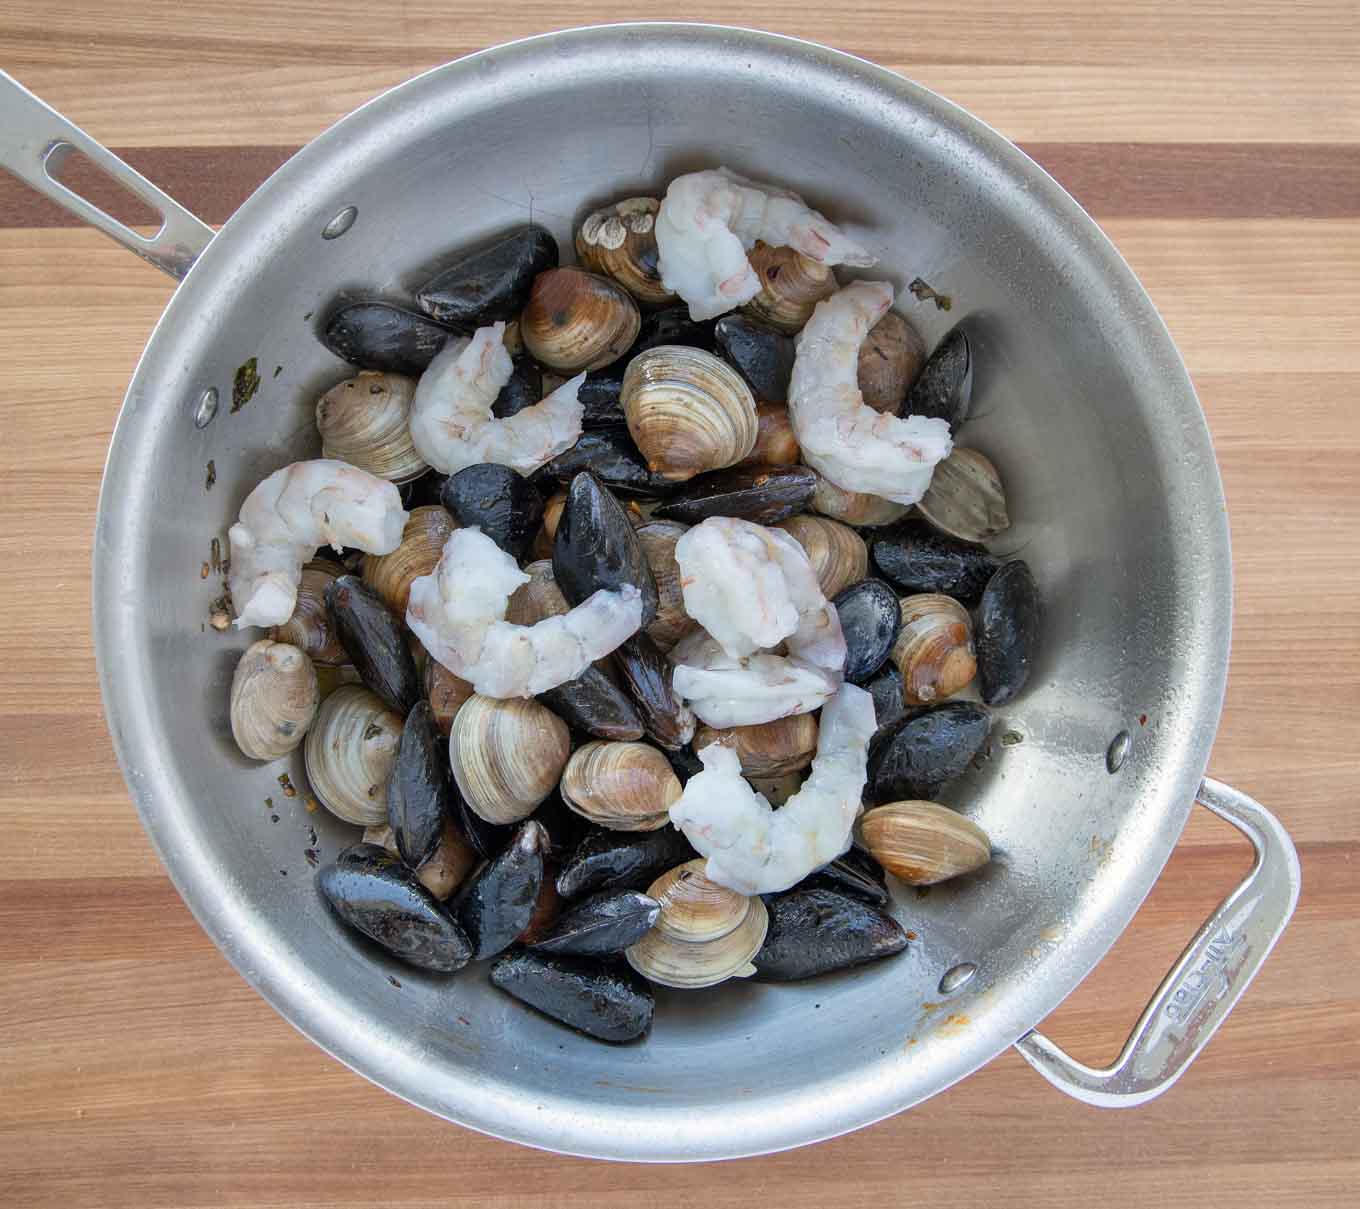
(206, 409)
(340, 223)
(957, 978)
(1118, 751)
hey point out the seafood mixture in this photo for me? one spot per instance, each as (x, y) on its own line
(658, 609)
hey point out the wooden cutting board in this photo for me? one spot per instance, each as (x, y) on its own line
(1219, 145)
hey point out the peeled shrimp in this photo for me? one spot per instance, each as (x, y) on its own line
(290, 514)
(451, 422)
(726, 691)
(841, 437)
(754, 849)
(458, 613)
(707, 223)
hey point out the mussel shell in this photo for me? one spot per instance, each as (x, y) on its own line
(486, 839)
(445, 869)
(547, 907)
(376, 641)
(595, 704)
(310, 628)
(890, 705)
(419, 794)
(671, 622)
(374, 893)
(685, 763)
(576, 320)
(855, 507)
(918, 559)
(761, 355)
(944, 387)
(855, 873)
(502, 503)
(1007, 632)
(791, 286)
(608, 453)
(923, 843)
(621, 860)
(673, 325)
(870, 618)
(814, 931)
(837, 553)
(647, 677)
(524, 389)
(609, 1003)
(763, 494)
(620, 241)
(422, 542)
(925, 750)
(495, 906)
(599, 398)
(379, 336)
(349, 752)
(889, 361)
(274, 697)
(596, 547)
(776, 444)
(565, 828)
(601, 925)
(366, 420)
(491, 282)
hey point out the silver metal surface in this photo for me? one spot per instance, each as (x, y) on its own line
(1082, 402)
(1207, 980)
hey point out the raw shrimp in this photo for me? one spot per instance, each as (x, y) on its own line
(841, 437)
(451, 422)
(726, 691)
(290, 514)
(458, 613)
(707, 223)
(756, 850)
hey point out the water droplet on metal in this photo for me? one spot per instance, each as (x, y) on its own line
(206, 409)
(340, 223)
(957, 978)
(1118, 751)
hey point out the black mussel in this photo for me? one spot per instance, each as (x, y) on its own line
(890, 703)
(504, 504)
(685, 763)
(378, 335)
(373, 892)
(761, 355)
(422, 492)
(647, 676)
(925, 750)
(420, 790)
(815, 931)
(672, 325)
(621, 860)
(855, 873)
(944, 387)
(599, 398)
(597, 547)
(917, 558)
(595, 704)
(524, 389)
(375, 640)
(602, 924)
(609, 1003)
(495, 906)
(870, 617)
(609, 454)
(763, 494)
(491, 282)
(565, 828)
(1007, 632)
(486, 839)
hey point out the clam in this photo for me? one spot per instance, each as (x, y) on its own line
(382, 337)
(922, 843)
(309, 628)
(422, 541)
(618, 240)
(688, 412)
(889, 361)
(492, 281)
(419, 796)
(350, 750)
(870, 619)
(597, 547)
(603, 1002)
(595, 704)
(609, 454)
(965, 499)
(600, 925)
(855, 873)
(445, 869)
(273, 699)
(621, 860)
(621, 786)
(374, 893)
(506, 756)
(537, 600)
(671, 623)
(791, 286)
(1007, 632)
(365, 421)
(376, 641)
(705, 934)
(934, 651)
(647, 677)
(514, 342)
(775, 444)
(918, 559)
(924, 750)
(547, 907)
(761, 355)
(503, 504)
(762, 494)
(524, 389)
(768, 749)
(815, 931)
(837, 553)
(328, 679)
(944, 387)
(855, 507)
(576, 320)
(543, 539)
(445, 692)
(495, 906)
(778, 789)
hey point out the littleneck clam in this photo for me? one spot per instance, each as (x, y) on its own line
(495, 906)
(791, 286)
(704, 935)
(648, 677)
(365, 421)
(621, 860)
(597, 547)
(837, 553)
(687, 411)
(889, 361)
(601, 925)
(618, 241)
(776, 444)
(779, 788)
(490, 282)
(385, 338)
(603, 1002)
(422, 541)
(855, 507)
(815, 931)
(767, 749)
(760, 354)
(419, 796)
(762, 494)
(547, 907)
(922, 843)
(870, 619)
(376, 641)
(373, 892)
(576, 320)
(501, 502)
(925, 750)
(918, 559)
(934, 651)
(620, 786)
(350, 750)
(445, 692)
(506, 755)
(1007, 632)
(273, 699)
(965, 498)
(944, 387)
(310, 628)
(672, 623)
(445, 869)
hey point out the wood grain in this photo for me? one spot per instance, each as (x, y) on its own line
(1219, 145)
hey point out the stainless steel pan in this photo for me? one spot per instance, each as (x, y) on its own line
(1082, 400)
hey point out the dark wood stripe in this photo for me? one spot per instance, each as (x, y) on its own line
(1112, 180)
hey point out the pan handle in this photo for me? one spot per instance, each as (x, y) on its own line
(1206, 981)
(35, 139)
